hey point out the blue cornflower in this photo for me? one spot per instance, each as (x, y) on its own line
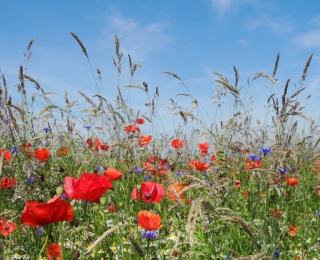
(64, 196)
(46, 129)
(6, 121)
(318, 214)
(88, 127)
(136, 169)
(218, 170)
(14, 150)
(308, 157)
(282, 170)
(99, 168)
(265, 151)
(181, 161)
(147, 177)
(180, 174)
(208, 182)
(30, 180)
(135, 220)
(149, 234)
(254, 157)
(40, 231)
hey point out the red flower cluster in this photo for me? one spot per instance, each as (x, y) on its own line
(292, 182)
(253, 165)
(144, 140)
(204, 147)
(7, 227)
(89, 187)
(6, 154)
(97, 145)
(53, 252)
(131, 129)
(140, 121)
(199, 165)
(149, 192)
(42, 154)
(112, 174)
(6, 183)
(36, 214)
(177, 143)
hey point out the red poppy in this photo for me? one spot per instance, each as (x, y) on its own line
(148, 220)
(161, 171)
(89, 187)
(293, 230)
(144, 140)
(42, 154)
(112, 208)
(25, 148)
(275, 213)
(140, 121)
(292, 182)
(204, 147)
(7, 227)
(177, 143)
(199, 165)
(253, 165)
(63, 151)
(131, 129)
(112, 174)
(53, 251)
(36, 214)
(238, 184)
(6, 154)
(149, 192)
(174, 191)
(6, 183)
(246, 194)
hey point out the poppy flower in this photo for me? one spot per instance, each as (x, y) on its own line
(199, 165)
(140, 121)
(253, 165)
(42, 154)
(6, 183)
(25, 148)
(144, 140)
(275, 213)
(204, 147)
(89, 187)
(160, 171)
(293, 230)
(53, 251)
(177, 143)
(175, 189)
(149, 220)
(7, 227)
(238, 184)
(63, 151)
(131, 129)
(149, 192)
(292, 182)
(36, 214)
(6, 154)
(246, 194)
(112, 208)
(112, 174)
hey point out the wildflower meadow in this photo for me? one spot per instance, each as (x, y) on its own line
(107, 183)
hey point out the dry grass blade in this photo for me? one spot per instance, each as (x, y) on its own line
(187, 95)
(134, 86)
(81, 44)
(136, 246)
(236, 75)
(257, 256)
(101, 97)
(305, 70)
(270, 98)
(241, 223)
(298, 92)
(228, 86)
(30, 43)
(146, 88)
(172, 74)
(117, 43)
(87, 98)
(19, 109)
(195, 214)
(276, 66)
(46, 108)
(103, 236)
(33, 81)
(261, 74)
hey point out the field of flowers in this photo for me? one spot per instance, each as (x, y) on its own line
(102, 186)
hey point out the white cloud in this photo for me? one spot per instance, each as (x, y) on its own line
(137, 39)
(308, 40)
(275, 24)
(223, 6)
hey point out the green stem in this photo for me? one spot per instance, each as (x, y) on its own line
(44, 245)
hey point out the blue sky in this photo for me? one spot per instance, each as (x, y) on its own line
(190, 38)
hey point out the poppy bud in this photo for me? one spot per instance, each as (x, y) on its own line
(139, 187)
(103, 201)
(59, 190)
(120, 204)
(96, 207)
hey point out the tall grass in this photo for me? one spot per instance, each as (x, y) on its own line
(243, 205)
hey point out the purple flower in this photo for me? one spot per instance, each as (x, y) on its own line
(64, 196)
(14, 150)
(147, 177)
(99, 168)
(265, 151)
(136, 169)
(254, 157)
(88, 127)
(276, 254)
(282, 170)
(46, 129)
(29, 180)
(40, 231)
(149, 234)
(318, 214)
(180, 174)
